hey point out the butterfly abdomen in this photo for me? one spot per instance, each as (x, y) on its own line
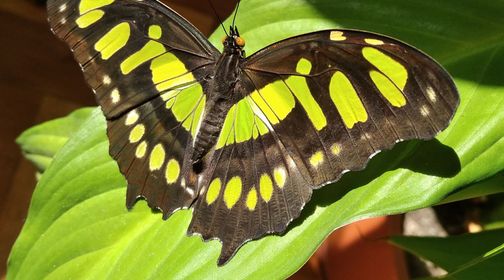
(221, 97)
(211, 125)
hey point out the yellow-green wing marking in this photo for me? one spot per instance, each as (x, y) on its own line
(317, 105)
(145, 64)
(131, 51)
(346, 96)
(150, 144)
(251, 186)
(303, 111)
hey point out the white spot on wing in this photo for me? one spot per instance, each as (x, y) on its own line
(366, 136)
(62, 8)
(431, 94)
(106, 80)
(189, 191)
(114, 95)
(291, 162)
(280, 176)
(424, 111)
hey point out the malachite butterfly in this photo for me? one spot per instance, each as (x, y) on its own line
(245, 140)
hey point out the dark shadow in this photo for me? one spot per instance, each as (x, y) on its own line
(427, 157)
(433, 158)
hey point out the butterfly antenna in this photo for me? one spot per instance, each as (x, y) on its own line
(236, 12)
(217, 15)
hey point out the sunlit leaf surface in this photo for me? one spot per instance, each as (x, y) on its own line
(78, 225)
(40, 143)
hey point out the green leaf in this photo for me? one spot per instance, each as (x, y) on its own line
(78, 225)
(488, 267)
(492, 185)
(40, 143)
(454, 252)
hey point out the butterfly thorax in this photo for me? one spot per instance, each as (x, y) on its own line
(223, 92)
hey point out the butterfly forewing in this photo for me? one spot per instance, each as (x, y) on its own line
(125, 47)
(347, 95)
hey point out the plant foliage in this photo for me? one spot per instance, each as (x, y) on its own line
(78, 224)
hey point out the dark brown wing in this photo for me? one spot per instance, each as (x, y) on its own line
(250, 188)
(316, 105)
(351, 95)
(146, 65)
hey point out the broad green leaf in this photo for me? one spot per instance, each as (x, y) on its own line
(492, 185)
(40, 143)
(78, 226)
(454, 252)
(488, 267)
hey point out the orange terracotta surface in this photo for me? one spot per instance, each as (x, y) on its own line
(359, 251)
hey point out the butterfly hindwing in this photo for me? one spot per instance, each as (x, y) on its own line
(251, 188)
(152, 145)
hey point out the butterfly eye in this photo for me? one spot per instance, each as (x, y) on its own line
(223, 40)
(240, 41)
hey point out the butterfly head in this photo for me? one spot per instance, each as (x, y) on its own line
(233, 43)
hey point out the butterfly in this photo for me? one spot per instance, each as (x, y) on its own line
(244, 141)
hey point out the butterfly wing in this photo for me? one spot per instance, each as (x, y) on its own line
(252, 186)
(315, 106)
(312, 107)
(349, 95)
(146, 65)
